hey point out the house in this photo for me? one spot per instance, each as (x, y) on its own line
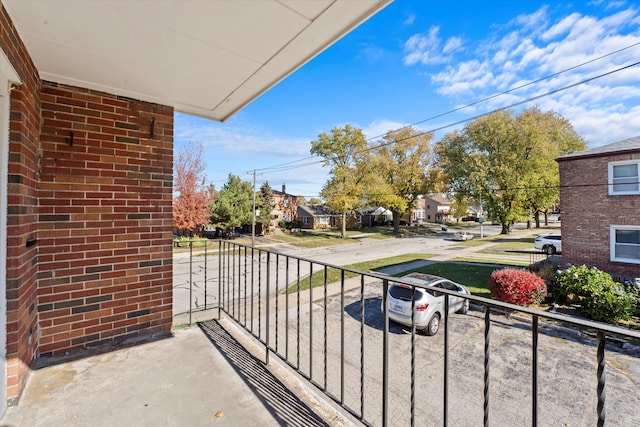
(284, 207)
(370, 217)
(600, 196)
(434, 208)
(315, 217)
(88, 92)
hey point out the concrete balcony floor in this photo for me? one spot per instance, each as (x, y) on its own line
(198, 376)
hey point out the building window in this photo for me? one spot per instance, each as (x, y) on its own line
(420, 214)
(305, 219)
(323, 220)
(625, 244)
(624, 177)
(286, 202)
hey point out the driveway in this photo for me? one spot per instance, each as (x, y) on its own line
(567, 366)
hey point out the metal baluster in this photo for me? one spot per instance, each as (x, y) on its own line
(362, 346)
(487, 351)
(413, 356)
(325, 346)
(311, 321)
(602, 342)
(385, 355)
(445, 402)
(267, 309)
(534, 379)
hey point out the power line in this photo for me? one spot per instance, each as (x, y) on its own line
(283, 166)
(515, 104)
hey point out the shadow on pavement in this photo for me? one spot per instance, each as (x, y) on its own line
(373, 315)
(286, 408)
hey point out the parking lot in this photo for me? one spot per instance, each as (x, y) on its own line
(567, 380)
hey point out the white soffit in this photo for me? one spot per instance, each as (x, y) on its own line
(208, 58)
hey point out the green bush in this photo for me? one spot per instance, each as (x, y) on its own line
(598, 295)
(517, 287)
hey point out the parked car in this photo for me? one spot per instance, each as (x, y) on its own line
(429, 303)
(462, 235)
(549, 243)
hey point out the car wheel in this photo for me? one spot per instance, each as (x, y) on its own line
(551, 250)
(433, 326)
(465, 307)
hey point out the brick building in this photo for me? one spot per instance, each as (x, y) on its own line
(87, 96)
(600, 201)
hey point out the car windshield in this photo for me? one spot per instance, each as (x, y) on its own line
(404, 292)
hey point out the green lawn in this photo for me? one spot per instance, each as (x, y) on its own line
(334, 274)
(474, 276)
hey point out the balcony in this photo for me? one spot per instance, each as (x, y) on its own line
(283, 340)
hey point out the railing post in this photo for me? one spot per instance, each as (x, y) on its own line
(487, 353)
(219, 279)
(602, 342)
(268, 299)
(190, 278)
(534, 368)
(445, 393)
(205, 274)
(385, 354)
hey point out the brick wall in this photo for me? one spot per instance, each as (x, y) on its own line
(588, 211)
(89, 254)
(22, 205)
(105, 218)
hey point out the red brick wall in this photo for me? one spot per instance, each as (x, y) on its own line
(588, 211)
(22, 215)
(89, 220)
(105, 218)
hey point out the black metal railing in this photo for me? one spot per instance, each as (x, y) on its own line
(331, 326)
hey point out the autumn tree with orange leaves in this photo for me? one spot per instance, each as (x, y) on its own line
(192, 196)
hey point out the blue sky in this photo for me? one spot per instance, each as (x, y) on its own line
(419, 59)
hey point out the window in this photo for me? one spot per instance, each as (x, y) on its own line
(324, 220)
(286, 202)
(420, 214)
(624, 177)
(625, 244)
(305, 219)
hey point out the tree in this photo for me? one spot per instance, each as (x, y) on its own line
(234, 204)
(507, 161)
(399, 167)
(192, 198)
(550, 136)
(344, 150)
(264, 205)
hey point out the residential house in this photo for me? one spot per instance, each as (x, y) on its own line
(87, 98)
(434, 208)
(600, 196)
(370, 217)
(284, 207)
(315, 217)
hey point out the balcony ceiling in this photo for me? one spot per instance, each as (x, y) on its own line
(206, 58)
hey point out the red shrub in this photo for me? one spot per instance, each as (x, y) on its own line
(517, 287)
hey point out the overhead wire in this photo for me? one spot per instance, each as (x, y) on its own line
(282, 167)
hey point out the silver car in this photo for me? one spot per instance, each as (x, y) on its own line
(429, 303)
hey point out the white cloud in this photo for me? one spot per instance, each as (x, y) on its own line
(425, 48)
(539, 44)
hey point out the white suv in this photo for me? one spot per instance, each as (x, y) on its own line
(549, 243)
(429, 302)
